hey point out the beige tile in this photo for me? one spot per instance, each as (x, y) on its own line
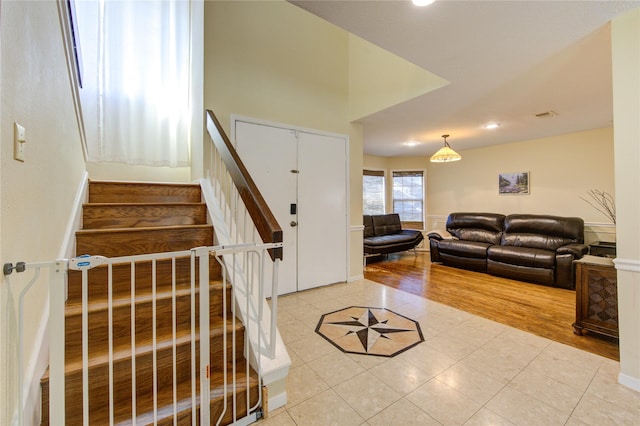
(522, 409)
(475, 333)
(606, 387)
(329, 305)
(523, 346)
(296, 361)
(294, 330)
(312, 347)
(486, 417)
(302, 384)
(452, 346)
(409, 310)
(367, 361)
(335, 367)
(586, 360)
(326, 408)
(282, 418)
(400, 375)
(443, 403)
(312, 296)
(568, 372)
(498, 367)
(574, 422)
(442, 322)
(471, 383)
(402, 413)
(597, 412)
(559, 395)
(308, 315)
(427, 359)
(367, 394)
(290, 301)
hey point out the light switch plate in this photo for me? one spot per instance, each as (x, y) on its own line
(19, 141)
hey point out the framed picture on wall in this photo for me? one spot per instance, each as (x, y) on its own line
(513, 183)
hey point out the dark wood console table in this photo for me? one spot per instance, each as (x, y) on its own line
(596, 296)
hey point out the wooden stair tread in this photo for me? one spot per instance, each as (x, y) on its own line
(141, 229)
(124, 299)
(145, 346)
(120, 215)
(116, 191)
(145, 204)
(184, 404)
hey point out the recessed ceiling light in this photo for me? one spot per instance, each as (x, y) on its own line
(490, 126)
(422, 2)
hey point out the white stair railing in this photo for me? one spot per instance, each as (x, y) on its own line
(230, 258)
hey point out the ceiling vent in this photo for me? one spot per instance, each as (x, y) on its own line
(547, 114)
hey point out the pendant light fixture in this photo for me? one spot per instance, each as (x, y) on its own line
(445, 154)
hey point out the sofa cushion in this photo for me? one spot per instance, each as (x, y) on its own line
(472, 249)
(406, 239)
(480, 227)
(385, 224)
(522, 256)
(542, 231)
(367, 221)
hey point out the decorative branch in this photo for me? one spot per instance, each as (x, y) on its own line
(603, 202)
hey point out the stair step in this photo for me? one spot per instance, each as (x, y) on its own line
(134, 218)
(121, 278)
(99, 357)
(143, 192)
(99, 395)
(98, 318)
(132, 241)
(104, 216)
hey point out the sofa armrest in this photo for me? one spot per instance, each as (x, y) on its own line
(575, 249)
(438, 234)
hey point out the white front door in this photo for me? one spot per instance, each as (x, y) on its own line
(322, 215)
(302, 176)
(269, 154)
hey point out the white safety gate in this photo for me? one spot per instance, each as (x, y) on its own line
(242, 264)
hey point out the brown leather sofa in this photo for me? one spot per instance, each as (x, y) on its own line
(535, 248)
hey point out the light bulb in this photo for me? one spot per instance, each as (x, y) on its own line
(422, 2)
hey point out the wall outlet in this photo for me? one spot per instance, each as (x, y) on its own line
(19, 141)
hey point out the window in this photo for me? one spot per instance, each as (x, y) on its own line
(408, 198)
(373, 192)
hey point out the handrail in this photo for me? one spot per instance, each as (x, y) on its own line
(264, 220)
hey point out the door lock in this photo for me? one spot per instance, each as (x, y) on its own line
(293, 223)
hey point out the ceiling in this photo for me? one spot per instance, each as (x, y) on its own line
(506, 61)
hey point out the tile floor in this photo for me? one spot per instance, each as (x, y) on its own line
(468, 371)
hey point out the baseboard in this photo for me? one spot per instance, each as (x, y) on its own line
(278, 401)
(630, 382)
(355, 278)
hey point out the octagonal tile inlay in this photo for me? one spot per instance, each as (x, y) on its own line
(369, 331)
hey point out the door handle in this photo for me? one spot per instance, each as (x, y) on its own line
(293, 223)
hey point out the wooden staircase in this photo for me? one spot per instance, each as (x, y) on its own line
(123, 219)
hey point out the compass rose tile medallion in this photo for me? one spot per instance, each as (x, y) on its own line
(369, 331)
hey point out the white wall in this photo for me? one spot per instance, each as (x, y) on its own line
(35, 196)
(275, 62)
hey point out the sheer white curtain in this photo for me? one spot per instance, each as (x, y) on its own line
(136, 80)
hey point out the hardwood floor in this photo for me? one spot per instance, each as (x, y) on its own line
(545, 311)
